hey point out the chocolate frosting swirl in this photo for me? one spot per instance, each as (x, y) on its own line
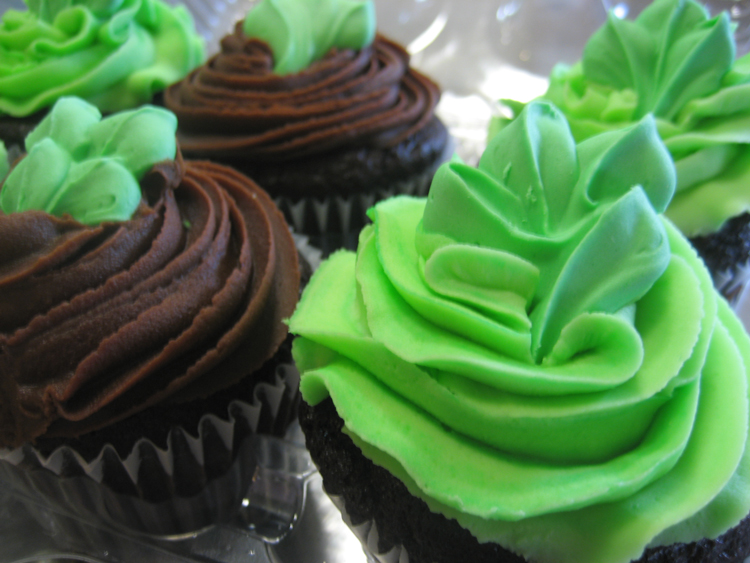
(234, 105)
(100, 322)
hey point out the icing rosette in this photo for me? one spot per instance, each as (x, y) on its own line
(240, 104)
(116, 54)
(104, 318)
(677, 63)
(300, 33)
(537, 353)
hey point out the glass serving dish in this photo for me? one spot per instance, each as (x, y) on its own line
(269, 525)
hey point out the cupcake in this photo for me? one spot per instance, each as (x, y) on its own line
(326, 115)
(117, 55)
(141, 341)
(531, 364)
(676, 63)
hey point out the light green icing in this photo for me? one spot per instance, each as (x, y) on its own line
(537, 353)
(300, 32)
(80, 164)
(114, 53)
(4, 164)
(679, 64)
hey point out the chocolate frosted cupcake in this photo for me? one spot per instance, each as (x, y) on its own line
(677, 63)
(143, 299)
(321, 112)
(490, 378)
(116, 55)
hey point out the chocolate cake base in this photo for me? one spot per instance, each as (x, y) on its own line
(372, 493)
(727, 254)
(346, 172)
(326, 196)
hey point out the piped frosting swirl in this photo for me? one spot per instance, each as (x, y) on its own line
(534, 351)
(101, 321)
(676, 62)
(236, 106)
(116, 54)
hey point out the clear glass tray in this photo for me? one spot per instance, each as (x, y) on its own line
(270, 526)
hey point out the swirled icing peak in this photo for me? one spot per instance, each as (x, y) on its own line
(535, 352)
(300, 32)
(678, 63)
(559, 215)
(115, 53)
(88, 167)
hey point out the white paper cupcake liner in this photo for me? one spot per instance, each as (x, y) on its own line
(195, 482)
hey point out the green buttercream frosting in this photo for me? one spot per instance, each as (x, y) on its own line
(679, 64)
(4, 164)
(300, 32)
(536, 352)
(82, 165)
(114, 53)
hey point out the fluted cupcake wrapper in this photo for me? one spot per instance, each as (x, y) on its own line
(335, 222)
(731, 283)
(367, 533)
(197, 481)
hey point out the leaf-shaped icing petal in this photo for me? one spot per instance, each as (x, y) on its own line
(617, 261)
(614, 162)
(139, 139)
(34, 181)
(88, 167)
(669, 55)
(460, 191)
(539, 167)
(68, 125)
(98, 190)
(685, 77)
(620, 54)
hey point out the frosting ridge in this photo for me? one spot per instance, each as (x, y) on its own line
(677, 63)
(493, 331)
(234, 106)
(116, 55)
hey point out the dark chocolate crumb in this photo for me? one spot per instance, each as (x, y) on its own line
(372, 493)
(727, 248)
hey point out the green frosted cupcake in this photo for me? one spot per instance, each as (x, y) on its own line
(531, 364)
(116, 55)
(676, 63)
